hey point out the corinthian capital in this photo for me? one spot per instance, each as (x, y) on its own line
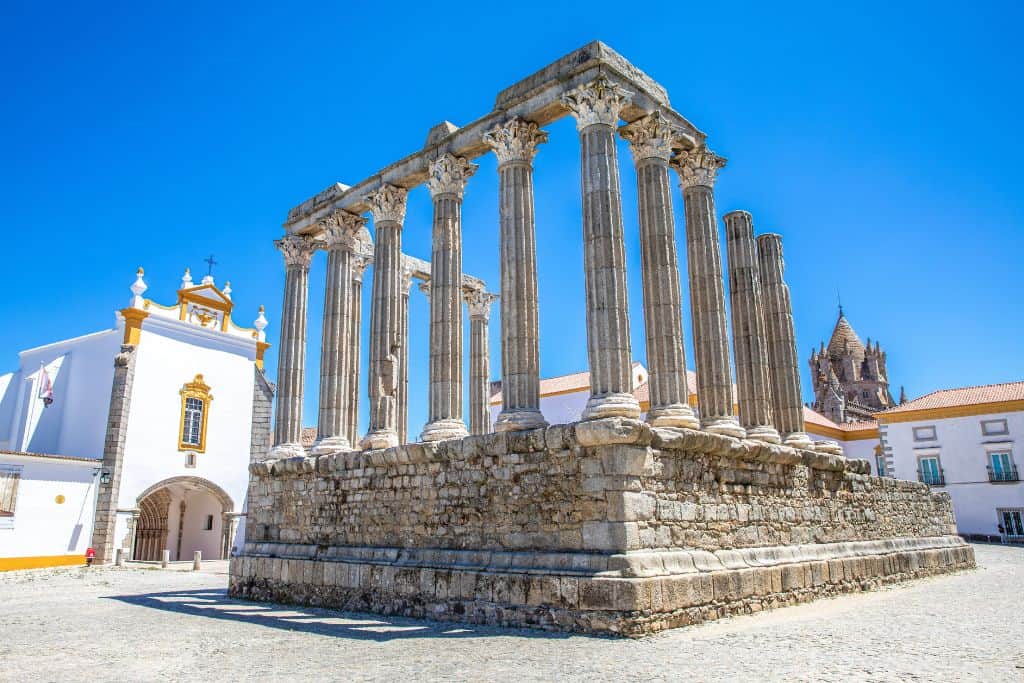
(297, 250)
(342, 229)
(387, 203)
(515, 140)
(359, 265)
(599, 101)
(650, 137)
(479, 302)
(697, 167)
(448, 175)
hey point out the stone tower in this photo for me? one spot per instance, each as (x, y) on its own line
(850, 379)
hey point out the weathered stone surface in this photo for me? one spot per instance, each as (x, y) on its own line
(625, 530)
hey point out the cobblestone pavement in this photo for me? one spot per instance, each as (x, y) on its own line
(144, 624)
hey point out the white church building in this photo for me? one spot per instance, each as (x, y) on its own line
(136, 437)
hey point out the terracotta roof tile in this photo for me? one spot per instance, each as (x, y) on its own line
(812, 416)
(964, 396)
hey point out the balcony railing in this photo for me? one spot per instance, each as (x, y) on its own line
(932, 478)
(1003, 474)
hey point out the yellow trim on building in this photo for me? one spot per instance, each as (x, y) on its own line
(133, 318)
(8, 564)
(197, 389)
(950, 411)
(261, 347)
(840, 434)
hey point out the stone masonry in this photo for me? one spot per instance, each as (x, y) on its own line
(610, 525)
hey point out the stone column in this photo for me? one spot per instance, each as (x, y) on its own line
(403, 381)
(388, 207)
(359, 264)
(515, 144)
(291, 362)
(651, 139)
(784, 365)
(596, 106)
(479, 303)
(749, 340)
(341, 232)
(447, 182)
(697, 170)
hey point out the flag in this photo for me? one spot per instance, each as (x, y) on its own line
(45, 387)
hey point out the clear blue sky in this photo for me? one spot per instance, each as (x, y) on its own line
(883, 142)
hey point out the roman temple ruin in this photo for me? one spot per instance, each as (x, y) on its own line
(626, 522)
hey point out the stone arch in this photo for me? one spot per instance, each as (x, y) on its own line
(157, 520)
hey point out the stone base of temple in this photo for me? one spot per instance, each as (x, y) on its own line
(604, 526)
(629, 595)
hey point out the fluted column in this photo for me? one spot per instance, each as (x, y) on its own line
(596, 107)
(388, 207)
(355, 333)
(479, 303)
(291, 363)
(697, 170)
(403, 381)
(515, 144)
(749, 340)
(651, 139)
(341, 234)
(787, 404)
(447, 182)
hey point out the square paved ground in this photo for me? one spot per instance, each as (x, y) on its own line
(147, 624)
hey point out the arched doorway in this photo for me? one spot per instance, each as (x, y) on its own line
(182, 515)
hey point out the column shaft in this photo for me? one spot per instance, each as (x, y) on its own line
(715, 396)
(596, 107)
(515, 144)
(448, 176)
(353, 358)
(787, 404)
(403, 381)
(651, 141)
(479, 303)
(750, 345)
(388, 206)
(292, 355)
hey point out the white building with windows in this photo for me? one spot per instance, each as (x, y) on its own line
(136, 437)
(967, 442)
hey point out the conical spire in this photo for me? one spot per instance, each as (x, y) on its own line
(845, 342)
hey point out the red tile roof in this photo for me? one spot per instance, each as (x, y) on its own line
(964, 396)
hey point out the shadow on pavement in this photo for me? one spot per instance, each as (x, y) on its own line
(215, 604)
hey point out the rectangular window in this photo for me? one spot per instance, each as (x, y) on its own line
(209, 523)
(924, 433)
(994, 427)
(1012, 522)
(10, 476)
(930, 472)
(1001, 467)
(193, 427)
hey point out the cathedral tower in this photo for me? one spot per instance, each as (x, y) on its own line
(850, 380)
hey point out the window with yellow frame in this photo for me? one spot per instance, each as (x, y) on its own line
(195, 412)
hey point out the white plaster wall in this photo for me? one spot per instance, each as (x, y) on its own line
(165, 362)
(81, 370)
(42, 527)
(963, 455)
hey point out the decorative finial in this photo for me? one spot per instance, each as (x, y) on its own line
(186, 279)
(227, 288)
(260, 325)
(138, 287)
(839, 300)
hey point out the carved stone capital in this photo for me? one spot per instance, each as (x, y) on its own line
(406, 279)
(448, 175)
(425, 288)
(342, 229)
(479, 302)
(387, 203)
(297, 250)
(697, 167)
(651, 137)
(359, 266)
(600, 101)
(515, 140)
